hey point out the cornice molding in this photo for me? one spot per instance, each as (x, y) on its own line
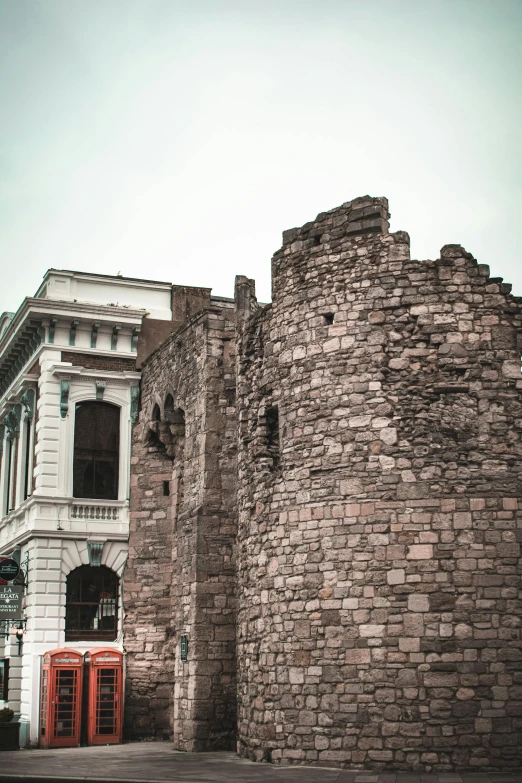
(69, 373)
(82, 311)
(66, 535)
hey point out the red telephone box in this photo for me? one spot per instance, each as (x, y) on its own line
(60, 703)
(105, 669)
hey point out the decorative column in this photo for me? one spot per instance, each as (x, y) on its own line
(12, 424)
(24, 483)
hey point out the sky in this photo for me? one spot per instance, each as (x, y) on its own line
(176, 139)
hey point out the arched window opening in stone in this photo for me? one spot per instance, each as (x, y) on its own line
(154, 431)
(96, 451)
(169, 404)
(230, 396)
(91, 609)
(175, 420)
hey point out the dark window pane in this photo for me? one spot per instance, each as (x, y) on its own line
(91, 604)
(96, 451)
(4, 679)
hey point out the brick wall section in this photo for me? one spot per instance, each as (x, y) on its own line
(180, 575)
(378, 540)
(92, 362)
(186, 302)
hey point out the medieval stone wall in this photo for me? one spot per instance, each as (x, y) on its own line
(379, 520)
(180, 576)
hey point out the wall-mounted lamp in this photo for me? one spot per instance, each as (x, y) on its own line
(19, 633)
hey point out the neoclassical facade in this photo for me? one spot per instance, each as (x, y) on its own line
(69, 390)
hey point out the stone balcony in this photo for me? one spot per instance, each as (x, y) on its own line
(59, 517)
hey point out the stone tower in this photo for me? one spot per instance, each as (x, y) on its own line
(380, 462)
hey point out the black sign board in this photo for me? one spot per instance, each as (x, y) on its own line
(11, 602)
(9, 569)
(183, 644)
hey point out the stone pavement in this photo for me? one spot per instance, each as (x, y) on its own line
(158, 762)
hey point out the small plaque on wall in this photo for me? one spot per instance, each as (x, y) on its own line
(183, 647)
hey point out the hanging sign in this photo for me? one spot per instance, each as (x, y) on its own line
(11, 602)
(9, 569)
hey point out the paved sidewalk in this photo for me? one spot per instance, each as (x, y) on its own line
(158, 762)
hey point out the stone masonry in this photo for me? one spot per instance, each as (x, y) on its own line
(180, 575)
(376, 495)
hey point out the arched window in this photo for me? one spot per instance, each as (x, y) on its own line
(156, 413)
(92, 604)
(177, 422)
(169, 403)
(96, 451)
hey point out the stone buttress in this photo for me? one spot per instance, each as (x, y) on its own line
(180, 576)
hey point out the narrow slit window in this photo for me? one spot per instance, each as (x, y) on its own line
(328, 318)
(272, 434)
(230, 395)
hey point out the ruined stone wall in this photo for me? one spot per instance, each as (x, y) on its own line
(180, 575)
(380, 474)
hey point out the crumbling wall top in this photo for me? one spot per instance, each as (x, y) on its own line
(363, 215)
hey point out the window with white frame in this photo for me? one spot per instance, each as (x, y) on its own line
(92, 604)
(96, 450)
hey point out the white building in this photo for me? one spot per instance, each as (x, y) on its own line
(69, 390)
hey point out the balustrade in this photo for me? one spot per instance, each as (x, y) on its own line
(87, 511)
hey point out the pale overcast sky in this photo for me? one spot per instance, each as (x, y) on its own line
(175, 140)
